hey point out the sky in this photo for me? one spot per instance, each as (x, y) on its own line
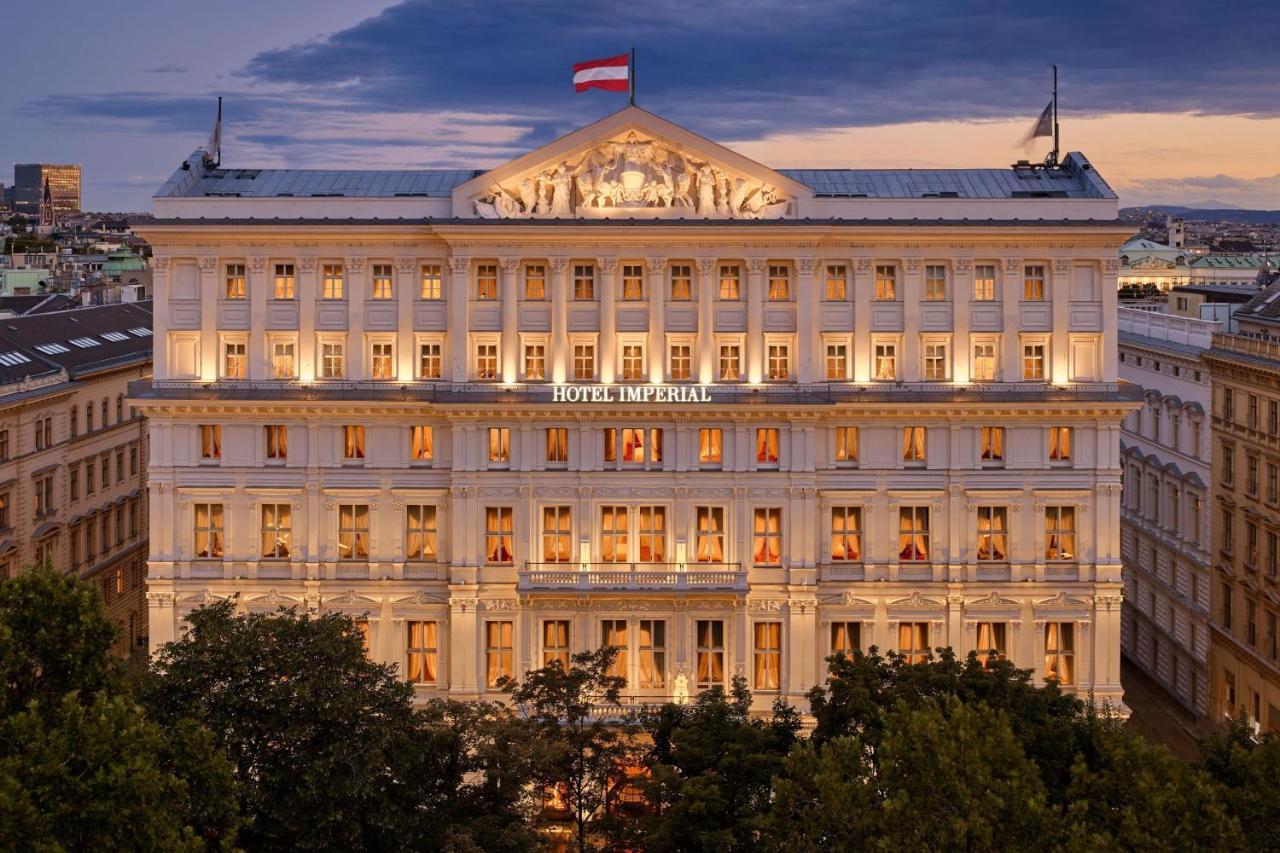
(1172, 101)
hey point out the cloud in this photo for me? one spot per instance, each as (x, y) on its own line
(1258, 193)
(169, 69)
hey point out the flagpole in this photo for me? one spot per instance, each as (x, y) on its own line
(1055, 115)
(631, 77)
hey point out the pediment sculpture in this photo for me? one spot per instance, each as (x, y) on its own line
(632, 175)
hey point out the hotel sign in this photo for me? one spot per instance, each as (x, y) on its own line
(631, 394)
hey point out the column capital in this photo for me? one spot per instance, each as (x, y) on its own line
(160, 264)
(1061, 266)
(806, 266)
(964, 265)
(509, 264)
(459, 264)
(257, 264)
(862, 265)
(405, 265)
(558, 263)
(914, 265)
(356, 265)
(607, 264)
(656, 265)
(208, 263)
(308, 263)
(706, 266)
(1011, 265)
(755, 266)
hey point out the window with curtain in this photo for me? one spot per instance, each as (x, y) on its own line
(992, 444)
(837, 362)
(846, 638)
(913, 533)
(430, 287)
(778, 362)
(584, 282)
(779, 283)
(652, 534)
(557, 445)
(766, 543)
(992, 642)
(382, 361)
(235, 281)
(235, 365)
(535, 282)
(614, 534)
(886, 283)
(913, 641)
(935, 283)
(422, 444)
(913, 444)
(837, 283)
(421, 539)
(681, 283)
(730, 282)
(1033, 283)
(632, 282)
(767, 445)
(1060, 533)
(846, 533)
(208, 523)
(499, 652)
(555, 642)
(498, 527)
(430, 361)
(1033, 362)
(681, 363)
(710, 534)
(846, 445)
(710, 653)
(210, 441)
(633, 362)
(277, 531)
(935, 362)
(1060, 652)
(613, 633)
(277, 436)
(381, 284)
(886, 362)
(710, 446)
(993, 533)
(767, 651)
(584, 362)
(422, 650)
(556, 526)
(353, 441)
(652, 651)
(283, 283)
(1060, 444)
(983, 368)
(353, 532)
(486, 362)
(535, 363)
(730, 363)
(499, 444)
(331, 282)
(984, 283)
(487, 282)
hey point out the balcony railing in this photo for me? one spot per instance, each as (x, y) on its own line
(1258, 347)
(677, 577)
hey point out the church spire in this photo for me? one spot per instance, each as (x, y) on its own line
(46, 207)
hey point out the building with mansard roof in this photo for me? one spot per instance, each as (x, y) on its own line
(633, 388)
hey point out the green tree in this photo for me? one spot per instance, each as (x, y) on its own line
(1248, 772)
(580, 754)
(824, 798)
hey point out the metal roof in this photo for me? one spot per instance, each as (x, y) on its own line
(1248, 261)
(942, 183)
(307, 183)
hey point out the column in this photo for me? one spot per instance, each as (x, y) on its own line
(559, 318)
(307, 287)
(955, 625)
(706, 320)
(755, 320)
(162, 616)
(161, 294)
(608, 346)
(258, 282)
(458, 339)
(508, 267)
(961, 345)
(863, 285)
(407, 289)
(1060, 348)
(657, 350)
(353, 272)
(912, 296)
(1107, 295)
(808, 324)
(209, 296)
(1011, 302)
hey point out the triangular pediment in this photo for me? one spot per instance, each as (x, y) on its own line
(631, 164)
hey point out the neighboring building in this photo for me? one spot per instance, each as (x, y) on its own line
(41, 303)
(1260, 316)
(1165, 518)
(1147, 266)
(633, 388)
(73, 454)
(1212, 302)
(1246, 530)
(25, 282)
(1237, 269)
(29, 183)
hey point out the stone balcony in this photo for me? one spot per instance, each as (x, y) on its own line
(632, 577)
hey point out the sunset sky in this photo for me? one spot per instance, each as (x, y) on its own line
(1167, 99)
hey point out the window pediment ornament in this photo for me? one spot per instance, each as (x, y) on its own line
(915, 601)
(632, 174)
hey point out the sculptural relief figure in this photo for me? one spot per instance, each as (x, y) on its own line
(684, 190)
(586, 189)
(706, 191)
(722, 205)
(528, 195)
(560, 187)
(666, 189)
(738, 197)
(544, 197)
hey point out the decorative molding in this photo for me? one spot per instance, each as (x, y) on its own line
(459, 264)
(509, 263)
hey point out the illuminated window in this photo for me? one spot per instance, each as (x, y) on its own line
(993, 533)
(614, 534)
(681, 283)
(653, 653)
(556, 542)
(382, 361)
(837, 283)
(846, 638)
(487, 282)
(555, 642)
(837, 362)
(681, 363)
(283, 284)
(333, 360)
(779, 283)
(913, 641)
(886, 283)
(993, 642)
(846, 445)
(235, 281)
(710, 653)
(992, 441)
(235, 365)
(651, 534)
(353, 441)
(984, 363)
(709, 544)
(632, 282)
(766, 541)
(558, 445)
(430, 361)
(422, 652)
(730, 363)
(1060, 444)
(208, 533)
(779, 362)
(499, 444)
(886, 362)
(627, 445)
(710, 446)
(486, 362)
(535, 282)
(422, 444)
(584, 362)
(535, 362)
(499, 652)
(730, 282)
(498, 534)
(421, 535)
(283, 365)
(584, 282)
(767, 441)
(210, 442)
(935, 283)
(846, 534)
(1033, 362)
(613, 633)
(277, 436)
(984, 283)
(1060, 533)
(277, 532)
(1060, 652)
(913, 445)
(768, 656)
(633, 362)
(332, 282)
(1033, 283)
(913, 533)
(936, 363)
(382, 282)
(431, 285)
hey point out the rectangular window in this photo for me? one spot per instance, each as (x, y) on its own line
(487, 282)
(633, 363)
(556, 531)
(486, 362)
(846, 534)
(992, 449)
(210, 443)
(73, 483)
(935, 283)
(913, 533)
(584, 282)
(555, 642)
(613, 633)
(235, 365)
(430, 361)
(422, 444)
(914, 449)
(431, 285)
(837, 283)
(846, 638)
(333, 360)
(632, 282)
(993, 534)
(710, 446)
(936, 363)
(282, 361)
(1228, 405)
(382, 282)
(584, 362)
(208, 531)
(1033, 283)
(837, 362)
(421, 541)
(767, 441)
(557, 445)
(283, 284)
(709, 545)
(535, 363)
(44, 492)
(1060, 652)
(627, 445)
(766, 541)
(984, 283)
(535, 282)
(382, 361)
(332, 283)
(779, 362)
(422, 652)
(984, 363)
(277, 436)
(1060, 533)
(1033, 362)
(767, 670)
(353, 532)
(277, 531)
(730, 363)
(846, 445)
(499, 444)
(913, 641)
(710, 653)
(681, 283)
(498, 534)
(886, 283)
(499, 652)
(4, 509)
(653, 653)
(1060, 440)
(779, 283)
(886, 363)
(730, 282)
(353, 441)
(992, 642)
(651, 537)
(235, 282)
(681, 363)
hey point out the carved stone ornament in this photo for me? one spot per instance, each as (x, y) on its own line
(915, 600)
(405, 265)
(993, 600)
(766, 605)
(501, 605)
(208, 264)
(626, 175)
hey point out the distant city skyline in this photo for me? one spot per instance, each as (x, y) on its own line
(1170, 111)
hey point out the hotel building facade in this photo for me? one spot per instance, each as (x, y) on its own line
(635, 389)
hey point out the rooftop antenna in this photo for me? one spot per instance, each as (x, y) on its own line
(1053, 155)
(631, 77)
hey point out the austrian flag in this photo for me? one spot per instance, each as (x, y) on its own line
(611, 74)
